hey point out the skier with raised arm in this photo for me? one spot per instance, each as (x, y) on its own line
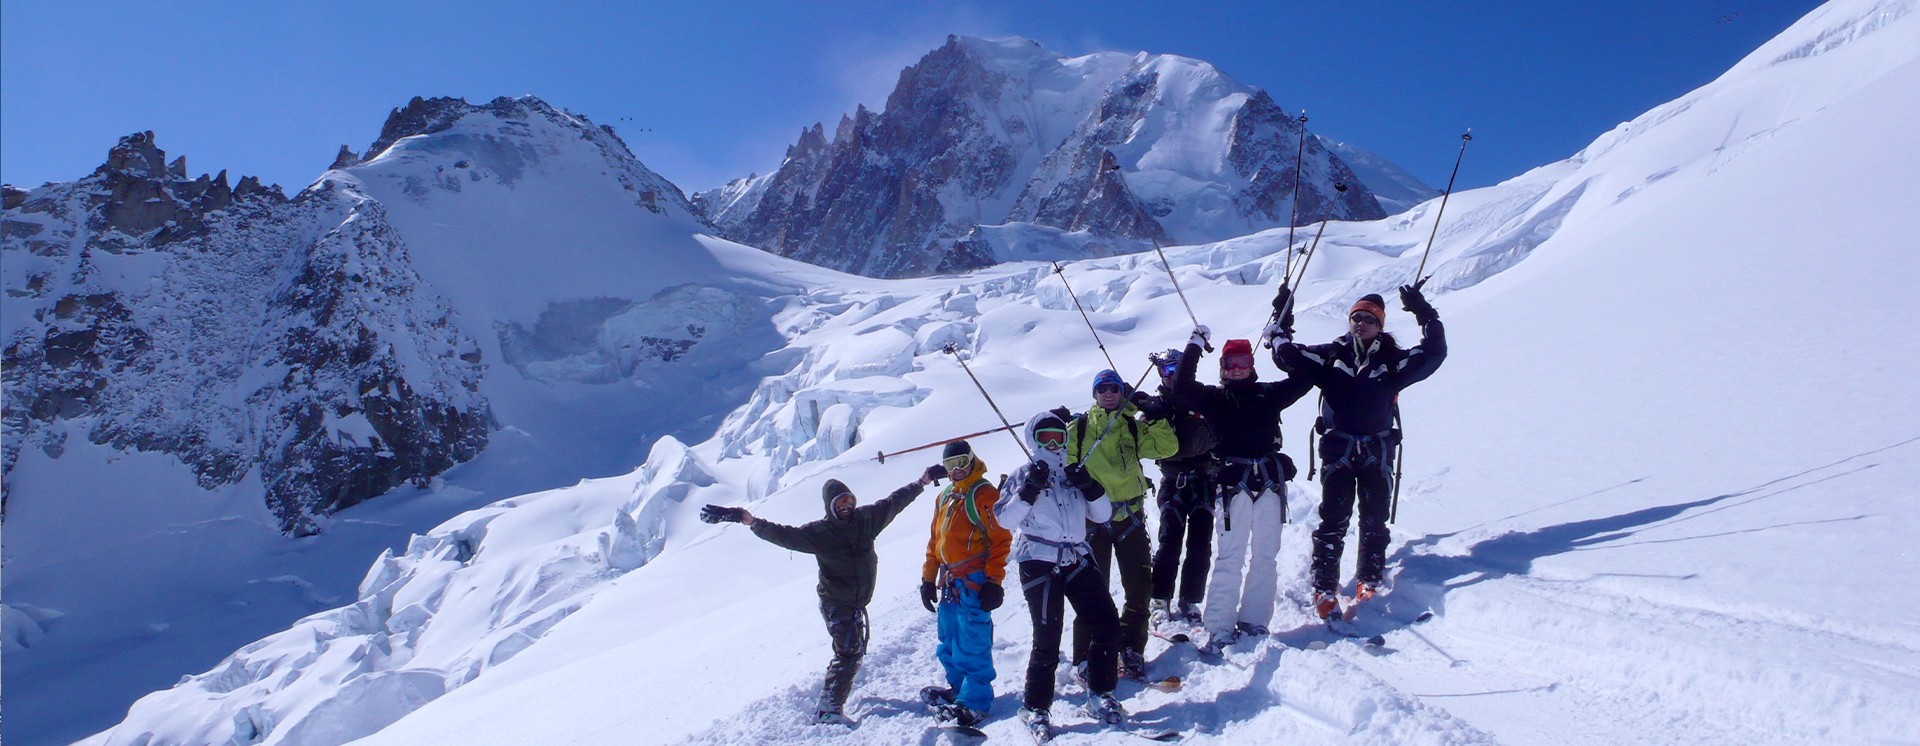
(1110, 441)
(1250, 488)
(1360, 376)
(842, 544)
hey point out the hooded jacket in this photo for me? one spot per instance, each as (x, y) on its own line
(842, 547)
(966, 537)
(1054, 528)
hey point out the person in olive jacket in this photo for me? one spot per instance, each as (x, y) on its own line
(842, 543)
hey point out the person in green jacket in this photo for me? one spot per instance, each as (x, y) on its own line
(842, 543)
(1110, 442)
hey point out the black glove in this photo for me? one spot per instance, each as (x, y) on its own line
(1286, 467)
(1065, 414)
(722, 514)
(928, 594)
(1415, 303)
(1037, 477)
(1089, 487)
(991, 596)
(1283, 307)
(934, 473)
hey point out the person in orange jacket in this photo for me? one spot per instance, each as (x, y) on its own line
(966, 563)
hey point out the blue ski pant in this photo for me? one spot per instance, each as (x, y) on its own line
(966, 644)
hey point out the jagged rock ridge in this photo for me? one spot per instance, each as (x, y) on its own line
(1123, 149)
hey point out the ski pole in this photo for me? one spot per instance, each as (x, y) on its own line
(882, 458)
(955, 352)
(1281, 312)
(1083, 314)
(1162, 254)
(1300, 152)
(1465, 138)
(1399, 441)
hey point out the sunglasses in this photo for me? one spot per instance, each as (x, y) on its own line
(958, 463)
(1237, 362)
(1106, 388)
(1364, 318)
(1050, 437)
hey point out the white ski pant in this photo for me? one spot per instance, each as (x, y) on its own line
(1245, 524)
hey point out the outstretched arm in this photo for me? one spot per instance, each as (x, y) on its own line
(797, 538)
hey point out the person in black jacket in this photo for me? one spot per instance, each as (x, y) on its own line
(1186, 503)
(1360, 376)
(842, 543)
(1250, 486)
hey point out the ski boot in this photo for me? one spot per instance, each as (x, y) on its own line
(1104, 708)
(1217, 644)
(1133, 665)
(1159, 613)
(1326, 604)
(1248, 629)
(1038, 723)
(936, 697)
(959, 715)
(1190, 610)
(832, 717)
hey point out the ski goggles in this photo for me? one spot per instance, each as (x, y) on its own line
(1364, 318)
(958, 462)
(1168, 368)
(1237, 362)
(1051, 438)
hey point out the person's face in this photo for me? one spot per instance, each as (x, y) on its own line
(843, 505)
(958, 467)
(1051, 438)
(1364, 326)
(1237, 368)
(1108, 396)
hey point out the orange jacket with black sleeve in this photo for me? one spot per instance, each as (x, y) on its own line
(966, 537)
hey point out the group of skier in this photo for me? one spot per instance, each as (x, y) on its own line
(1075, 514)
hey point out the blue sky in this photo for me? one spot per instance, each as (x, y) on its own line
(707, 91)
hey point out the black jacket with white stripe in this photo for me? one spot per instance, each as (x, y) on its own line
(1359, 383)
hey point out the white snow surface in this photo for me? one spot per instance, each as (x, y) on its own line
(1661, 491)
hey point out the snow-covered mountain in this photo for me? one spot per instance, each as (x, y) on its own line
(500, 286)
(1658, 492)
(1000, 150)
(1395, 188)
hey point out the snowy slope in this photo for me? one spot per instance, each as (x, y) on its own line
(1658, 493)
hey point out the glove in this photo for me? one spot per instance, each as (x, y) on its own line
(1144, 402)
(1037, 477)
(1279, 331)
(1281, 300)
(928, 596)
(1202, 336)
(1415, 303)
(1065, 414)
(934, 473)
(991, 596)
(722, 514)
(1089, 487)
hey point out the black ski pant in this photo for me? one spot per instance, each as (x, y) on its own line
(1049, 589)
(1186, 519)
(847, 626)
(1126, 541)
(1340, 489)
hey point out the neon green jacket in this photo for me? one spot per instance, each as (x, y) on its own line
(1115, 462)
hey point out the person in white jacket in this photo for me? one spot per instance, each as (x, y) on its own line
(1052, 503)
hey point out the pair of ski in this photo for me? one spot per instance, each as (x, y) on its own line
(1043, 732)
